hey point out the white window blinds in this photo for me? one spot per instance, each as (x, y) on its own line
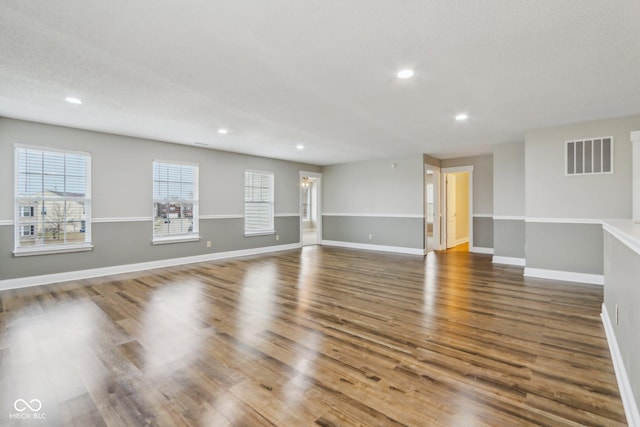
(258, 202)
(52, 199)
(175, 200)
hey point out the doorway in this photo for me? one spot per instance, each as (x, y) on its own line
(457, 221)
(432, 208)
(310, 208)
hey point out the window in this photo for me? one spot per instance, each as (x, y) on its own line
(53, 201)
(26, 211)
(258, 203)
(27, 230)
(589, 156)
(175, 202)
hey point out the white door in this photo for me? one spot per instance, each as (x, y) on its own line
(451, 210)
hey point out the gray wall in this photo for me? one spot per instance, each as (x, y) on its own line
(564, 247)
(508, 238)
(374, 187)
(375, 198)
(622, 287)
(509, 200)
(508, 179)
(399, 232)
(482, 195)
(550, 195)
(121, 184)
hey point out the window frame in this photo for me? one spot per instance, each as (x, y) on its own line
(44, 249)
(272, 179)
(194, 235)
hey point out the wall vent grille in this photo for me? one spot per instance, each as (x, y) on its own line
(589, 156)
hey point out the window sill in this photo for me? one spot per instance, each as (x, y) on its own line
(259, 233)
(52, 250)
(176, 239)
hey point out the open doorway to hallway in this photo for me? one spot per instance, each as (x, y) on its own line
(457, 223)
(310, 203)
(432, 208)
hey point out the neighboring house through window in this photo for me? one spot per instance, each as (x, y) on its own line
(258, 202)
(52, 199)
(175, 202)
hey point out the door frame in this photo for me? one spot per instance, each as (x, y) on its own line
(318, 207)
(443, 187)
(436, 207)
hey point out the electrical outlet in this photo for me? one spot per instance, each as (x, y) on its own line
(208, 243)
(617, 315)
(277, 237)
(370, 236)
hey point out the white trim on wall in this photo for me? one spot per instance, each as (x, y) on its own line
(380, 248)
(375, 215)
(565, 276)
(480, 250)
(6, 222)
(24, 282)
(508, 260)
(626, 393)
(480, 215)
(565, 220)
(228, 216)
(630, 240)
(282, 215)
(509, 217)
(123, 219)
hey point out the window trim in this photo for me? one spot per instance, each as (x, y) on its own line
(87, 245)
(194, 236)
(264, 232)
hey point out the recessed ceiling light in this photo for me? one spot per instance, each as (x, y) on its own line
(223, 131)
(405, 74)
(72, 100)
(300, 147)
(462, 117)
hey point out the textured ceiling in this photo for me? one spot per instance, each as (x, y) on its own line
(278, 73)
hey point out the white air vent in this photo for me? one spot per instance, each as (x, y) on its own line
(589, 156)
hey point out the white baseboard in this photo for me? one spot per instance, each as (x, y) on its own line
(479, 250)
(25, 282)
(380, 248)
(520, 262)
(626, 393)
(567, 276)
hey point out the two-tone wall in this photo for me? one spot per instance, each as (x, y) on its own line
(620, 313)
(482, 188)
(563, 230)
(122, 207)
(508, 204)
(376, 204)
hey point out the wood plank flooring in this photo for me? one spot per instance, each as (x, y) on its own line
(318, 336)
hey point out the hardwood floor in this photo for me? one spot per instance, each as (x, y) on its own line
(321, 336)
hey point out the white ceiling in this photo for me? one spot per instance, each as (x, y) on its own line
(278, 73)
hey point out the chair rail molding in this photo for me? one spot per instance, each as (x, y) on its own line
(635, 166)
